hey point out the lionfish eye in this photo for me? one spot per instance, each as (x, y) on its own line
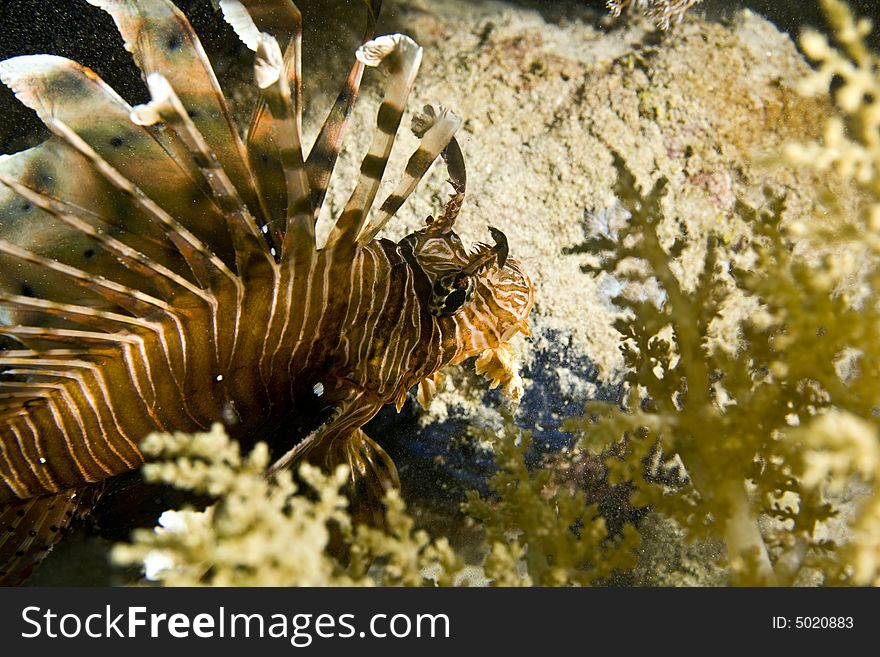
(451, 292)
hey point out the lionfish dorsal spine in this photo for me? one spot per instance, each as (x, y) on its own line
(167, 108)
(162, 41)
(280, 19)
(322, 157)
(438, 130)
(401, 57)
(270, 76)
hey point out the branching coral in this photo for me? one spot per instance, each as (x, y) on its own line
(762, 430)
(538, 535)
(778, 425)
(851, 148)
(265, 531)
(852, 141)
(662, 12)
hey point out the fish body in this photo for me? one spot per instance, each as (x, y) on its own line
(161, 273)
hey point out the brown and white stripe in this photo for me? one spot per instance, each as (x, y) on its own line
(208, 300)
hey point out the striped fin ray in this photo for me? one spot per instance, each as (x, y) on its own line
(281, 19)
(436, 129)
(140, 263)
(162, 41)
(60, 89)
(30, 528)
(250, 18)
(166, 107)
(400, 56)
(57, 432)
(85, 315)
(325, 151)
(134, 404)
(139, 303)
(175, 288)
(85, 420)
(24, 223)
(276, 92)
(207, 267)
(172, 344)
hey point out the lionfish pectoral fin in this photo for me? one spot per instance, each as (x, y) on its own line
(30, 528)
(372, 475)
(354, 408)
(340, 440)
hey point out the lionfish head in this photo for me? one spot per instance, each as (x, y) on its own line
(486, 293)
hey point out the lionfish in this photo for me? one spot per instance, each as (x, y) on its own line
(161, 272)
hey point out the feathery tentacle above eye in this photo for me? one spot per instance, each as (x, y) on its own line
(455, 167)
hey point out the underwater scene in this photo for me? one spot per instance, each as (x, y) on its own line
(440, 293)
